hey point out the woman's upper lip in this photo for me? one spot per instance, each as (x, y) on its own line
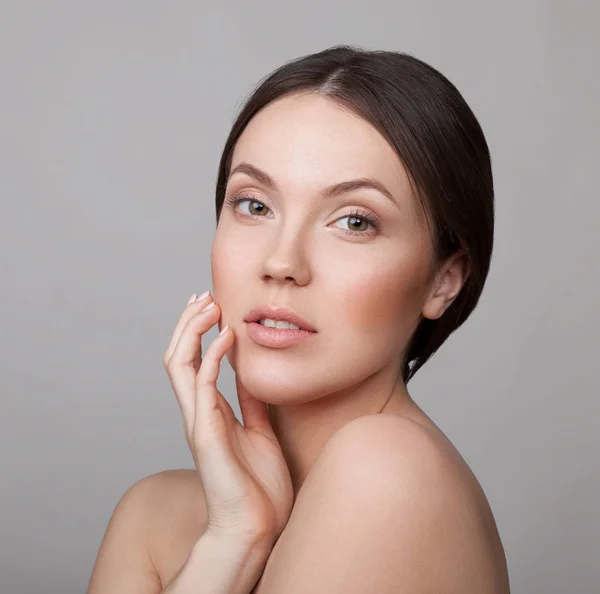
(278, 313)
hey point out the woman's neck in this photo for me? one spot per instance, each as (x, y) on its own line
(304, 429)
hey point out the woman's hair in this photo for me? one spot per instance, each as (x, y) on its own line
(438, 140)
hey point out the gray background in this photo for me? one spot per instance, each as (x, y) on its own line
(113, 118)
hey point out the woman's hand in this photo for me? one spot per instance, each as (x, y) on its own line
(246, 480)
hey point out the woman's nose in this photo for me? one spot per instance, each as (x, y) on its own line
(286, 259)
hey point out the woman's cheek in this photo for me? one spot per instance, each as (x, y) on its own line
(229, 265)
(383, 304)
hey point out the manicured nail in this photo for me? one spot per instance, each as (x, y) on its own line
(201, 297)
(211, 304)
(192, 299)
(224, 330)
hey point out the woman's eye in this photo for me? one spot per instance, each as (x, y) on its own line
(255, 208)
(355, 223)
(358, 224)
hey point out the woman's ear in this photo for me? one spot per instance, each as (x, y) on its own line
(446, 286)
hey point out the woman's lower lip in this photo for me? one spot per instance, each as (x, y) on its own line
(277, 338)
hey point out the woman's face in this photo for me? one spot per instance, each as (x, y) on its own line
(362, 285)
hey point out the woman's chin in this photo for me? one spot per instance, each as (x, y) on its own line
(276, 385)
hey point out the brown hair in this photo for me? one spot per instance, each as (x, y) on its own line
(438, 140)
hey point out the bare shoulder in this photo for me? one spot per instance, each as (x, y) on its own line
(150, 533)
(419, 457)
(414, 488)
(394, 442)
(396, 452)
(175, 508)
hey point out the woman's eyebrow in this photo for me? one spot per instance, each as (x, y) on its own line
(334, 190)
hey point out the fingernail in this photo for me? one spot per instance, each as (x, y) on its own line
(224, 330)
(192, 299)
(201, 297)
(211, 304)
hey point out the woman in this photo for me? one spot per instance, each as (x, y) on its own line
(355, 201)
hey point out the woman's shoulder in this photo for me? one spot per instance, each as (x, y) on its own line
(174, 505)
(403, 440)
(399, 459)
(169, 495)
(409, 452)
(407, 482)
(396, 439)
(150, 533)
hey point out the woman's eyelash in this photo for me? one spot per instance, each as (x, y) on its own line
(234, 200)
(365, 217)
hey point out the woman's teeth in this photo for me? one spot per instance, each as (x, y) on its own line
(278, 324)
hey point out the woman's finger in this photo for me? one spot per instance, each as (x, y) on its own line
(182, 366)
(218, 465)
(190, 311)
(227, 410)
(208, 421)
(255, 413)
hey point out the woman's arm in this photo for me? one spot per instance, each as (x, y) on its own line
(221, 565)
(247, 488)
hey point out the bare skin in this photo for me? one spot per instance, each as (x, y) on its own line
(175, 517)
(368, 467)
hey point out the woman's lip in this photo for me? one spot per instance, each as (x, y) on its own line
(277, 338)
(272, 312)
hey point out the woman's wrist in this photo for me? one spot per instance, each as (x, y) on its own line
(222, 564)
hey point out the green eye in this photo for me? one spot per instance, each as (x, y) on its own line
(257, 208)
(361, 219)
(254, 204)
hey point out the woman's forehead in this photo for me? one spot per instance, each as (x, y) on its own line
(309, 139)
